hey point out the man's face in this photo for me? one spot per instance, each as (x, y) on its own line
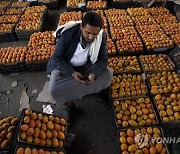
(89, 33)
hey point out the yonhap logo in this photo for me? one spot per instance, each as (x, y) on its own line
(141, 140)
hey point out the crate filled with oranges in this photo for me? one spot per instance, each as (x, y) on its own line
(42, 130)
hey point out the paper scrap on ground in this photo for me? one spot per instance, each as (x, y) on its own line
(6, 92)
(34, 91)
(24, 101)
(14, 84)
(47, 109)
(44, 95)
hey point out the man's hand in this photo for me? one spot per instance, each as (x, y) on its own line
(78, 76)
(91, 78)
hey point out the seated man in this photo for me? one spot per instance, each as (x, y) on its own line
(78, 67)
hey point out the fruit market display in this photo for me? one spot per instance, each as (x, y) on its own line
(171, 29)
(96, 4)
(128, 32)
(9, 18)
(20, 4)
(21, 150)
(74, 3)
(156, 62)
(127, 39)
(41, 39)
(104, 19)
(36, 9)
(156, 11)
(163, 82)
(110, 46)
(168, 106)
(42, 129)
(69, 16)
(118, 18)
(11, 55)
(6, 27)
(39, 53)
(13, 11)
(30, 22)
(143, 20)
(138, 11)
(42, 45)
(128, 139)
(7, 131)
(120, 33)
(124, 64)
(127, 85)
(154, 37)
(134, 112)
(166, 18)
(176, 38)
(4, 3)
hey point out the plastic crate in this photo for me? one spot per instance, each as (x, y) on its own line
(14, 67)
(153, 70)
(142, 140)
(7, 149)
(38, 145)
(10, 7)
(2, 3)
(25, 34)
(12, 22)
(8, 36)
(129, 126)
(36, 66)
(2, 70)
(19, 5)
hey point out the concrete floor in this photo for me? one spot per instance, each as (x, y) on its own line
(94, 127)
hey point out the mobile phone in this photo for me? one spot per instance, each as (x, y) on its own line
(86, 80)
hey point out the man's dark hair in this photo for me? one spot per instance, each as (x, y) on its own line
(93, 19)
